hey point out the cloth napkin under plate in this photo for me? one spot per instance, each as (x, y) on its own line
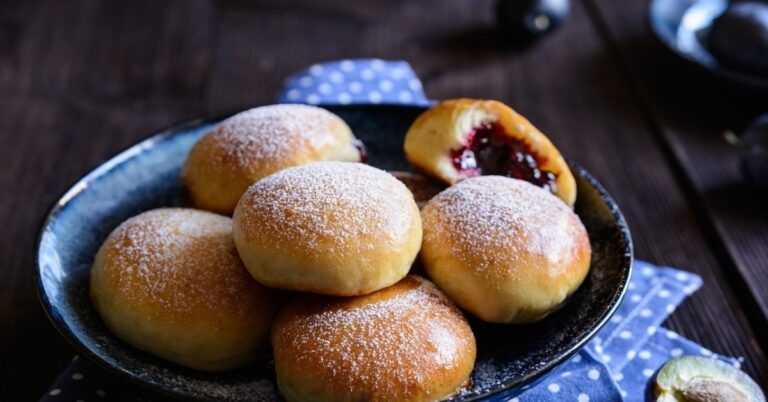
(616, 365)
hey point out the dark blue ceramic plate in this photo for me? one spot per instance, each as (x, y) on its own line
(147, 176)
(679, 25)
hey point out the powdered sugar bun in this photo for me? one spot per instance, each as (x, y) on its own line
(504, 249)
(407, 342)
(258, 142)
(169, 282)
(333, 228)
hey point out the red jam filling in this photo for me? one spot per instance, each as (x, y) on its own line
(490, 151)
(362, 150)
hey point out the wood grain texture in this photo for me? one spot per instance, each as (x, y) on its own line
(79, 81)
(569, 85)
(690, 110)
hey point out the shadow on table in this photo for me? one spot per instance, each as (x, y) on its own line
(678, 88)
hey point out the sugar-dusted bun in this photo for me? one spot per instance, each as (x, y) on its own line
(258, 142)
(334, 228)
(407, 342)
(461, 138)
(422, 188)
(503, 249)
(169, 282)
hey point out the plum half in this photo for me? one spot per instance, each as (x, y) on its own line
(704, 379)
(463, 138)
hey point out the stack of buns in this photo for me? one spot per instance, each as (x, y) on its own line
(337, 239)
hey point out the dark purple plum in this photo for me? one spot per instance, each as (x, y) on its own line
(739, 37)
(753, 144)
(526, 20)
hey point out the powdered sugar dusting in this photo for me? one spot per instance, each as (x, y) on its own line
(445, 345)
(330, 207)
(268, 137)
(181, 260)
(497, 221)
(397, 337)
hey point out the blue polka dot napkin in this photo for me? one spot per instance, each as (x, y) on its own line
(616, 365)
(355, 81)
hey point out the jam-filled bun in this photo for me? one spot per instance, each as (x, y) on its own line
(503, 249)
(258, 142)
(333, 228)
(407, 342)
(422, 188)
(169, 282)
(464, 138)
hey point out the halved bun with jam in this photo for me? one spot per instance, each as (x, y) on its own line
(462, 138)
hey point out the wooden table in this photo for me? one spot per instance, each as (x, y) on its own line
(81, 80)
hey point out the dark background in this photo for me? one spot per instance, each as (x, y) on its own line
(80, 80)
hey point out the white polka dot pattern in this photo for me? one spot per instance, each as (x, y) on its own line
(355, 81)
(628, 350)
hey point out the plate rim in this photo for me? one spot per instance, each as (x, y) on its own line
(745, 80)
(107, 164)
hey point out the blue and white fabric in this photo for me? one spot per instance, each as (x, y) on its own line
(617, 364)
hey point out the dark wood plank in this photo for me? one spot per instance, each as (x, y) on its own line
(79, 81)
(569, 85)
(690, 110)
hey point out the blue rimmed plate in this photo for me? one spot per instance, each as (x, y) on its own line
(146, 176)
(680, 26)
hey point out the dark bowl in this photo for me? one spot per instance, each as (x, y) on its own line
(680, 26)
(146, 176)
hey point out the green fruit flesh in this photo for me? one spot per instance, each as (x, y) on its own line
(701, 379)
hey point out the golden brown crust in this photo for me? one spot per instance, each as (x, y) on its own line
(437, 132)
(169, 282)
(258, 142)
(407, 342)
(422, 188)
(504, 249)
(332, 228)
